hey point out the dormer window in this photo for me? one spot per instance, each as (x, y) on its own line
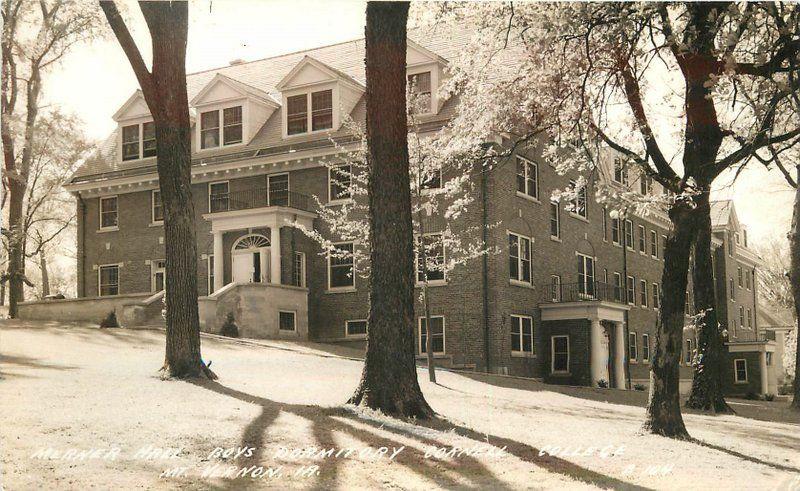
(420, 90)
(297, 114)
(231, 127)
(138, 141)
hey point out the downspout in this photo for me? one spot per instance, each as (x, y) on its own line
(485, 271)
(626, 313)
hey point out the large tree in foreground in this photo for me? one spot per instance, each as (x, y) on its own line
(710, 77)
(389, 379)
(164, 90)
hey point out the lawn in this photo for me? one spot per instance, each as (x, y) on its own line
(70, 389)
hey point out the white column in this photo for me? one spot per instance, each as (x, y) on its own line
(599, 353)
(275, 255)
(219, 270)
(619, 355)
(762, 360)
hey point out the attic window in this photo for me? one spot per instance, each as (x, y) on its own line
(130, 142)
(231, 127)
(297, 113)
(138, 141)
(420, 89)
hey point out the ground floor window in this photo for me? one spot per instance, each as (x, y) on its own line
(210, 274)
(645, 347)
(521, 334)
(687, 355)
(158, 274)
(740, 369)
(559, 354)
(286, 321)
(108, 280)
(355, 328)
(437, 334)
(633, 355)
(769, 358)
(299, 269)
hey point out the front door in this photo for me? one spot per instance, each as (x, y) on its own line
(250, 266)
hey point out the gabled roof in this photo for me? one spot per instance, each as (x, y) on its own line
(723, 214)
(132, 100)
(241, 87)
(328, 70)
(413, 45)
(771, 317)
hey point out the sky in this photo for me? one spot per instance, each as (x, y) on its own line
(95, 79)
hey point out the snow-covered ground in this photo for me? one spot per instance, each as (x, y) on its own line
(82, 388)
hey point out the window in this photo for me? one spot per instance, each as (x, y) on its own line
(643, 298)
(218, 196)
(157, 215)
(355, 328)
(209, 129)
(130, 142)
(321, 110)
(645, 184)
(555, 220)
(108, 213)
(297, 114)
(744, 233)
(749, 319)
(730, 246)
(740, 370)
(286, 321)
(210, 274)
(629, 234)
(633, 355)
(420, 88)
(108, 280)
(559, 354)
(617, 287)
(645, 348)
(432, 180)
(437, 334)
(747, 279)
(579, 203)
(434, 255)
(521, 334)
(232, 125)
(555, 288)
(656, 297)
(688, 354)
(605, 225)
(769, 358)
(339, 182)
(158, 274)
(615, 232)
(620, 172)
(663, 246)
(527, 178)
(740, 276)
(148, 139)
(736, 236)
(631, 290)
(732, 289)
(340, 267)
(586, 275)
(741, 316)
(642, 240)
(654, 244)
(519, 258)
(278, 189)
(299, 269)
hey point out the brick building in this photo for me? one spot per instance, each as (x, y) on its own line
(572, 297)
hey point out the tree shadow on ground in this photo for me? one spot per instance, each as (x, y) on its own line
(327, 421)
(748, 458)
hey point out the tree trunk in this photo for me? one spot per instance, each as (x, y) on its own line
(663, 407)
(389, 379)
(165, 93)
(16, 254)
(707, 387)
(794, 281)
(45, 277)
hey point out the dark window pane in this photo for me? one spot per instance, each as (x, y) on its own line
(340, 182)
(279, 190)
(355, 328)
(286, 321)
(130, 142)
(232, 122)
(321, 110)
(209, 129)
(297, 114)
(149, 139)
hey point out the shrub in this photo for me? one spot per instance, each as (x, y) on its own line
(769, 397)
(229, 327)
(787, 387)
(751, 395)
(110, 320)
(603, 384)
(639, 387)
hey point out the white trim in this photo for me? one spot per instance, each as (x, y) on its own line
(558, 220)
(345, 288)
(302, 275)
(645, 342)
(553, 355)
(521, 352)
(294, 320)
(308, 91)
(736, 372)
(517, 281)
(630, 301)
(427, 333)
(219, 109)
(524, 194)
(646, 291)
(153, 220)
(642, 245)
(355, 336)
(119, 279)
(100, 226)
(208, 188)
(633, 359)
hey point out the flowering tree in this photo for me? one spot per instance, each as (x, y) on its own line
(711, 80)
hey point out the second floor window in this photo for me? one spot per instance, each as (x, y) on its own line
(341, 270)
(643, 293)
(339, 182)
(231, 127)
(645, 347)
(278, 190)
(555, 220)
(555, 288)
(434, 255)
(585, 275)
(615, 232)
(527, 178)
(629, 234)
(631, 290)
(617, 287)
(158, 207)
(656, 297)
(109, 216)
(519, 258)
(218, 196)
(632, 346)
(437, 334)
